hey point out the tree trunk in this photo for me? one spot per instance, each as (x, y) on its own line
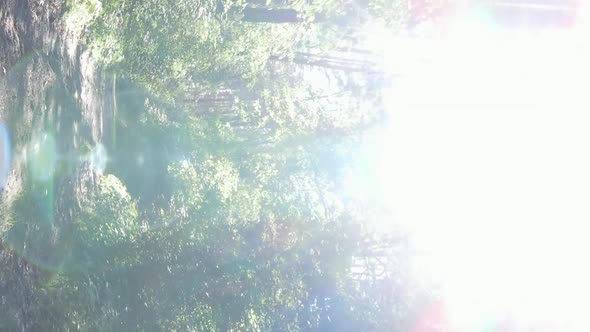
(259, 15)
(330, 62)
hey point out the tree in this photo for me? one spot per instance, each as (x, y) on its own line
(258, 15)
(222, 205)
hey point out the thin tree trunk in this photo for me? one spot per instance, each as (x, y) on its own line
(319, 61)
(260, 15)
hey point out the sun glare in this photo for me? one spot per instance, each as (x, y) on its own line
(486, 163)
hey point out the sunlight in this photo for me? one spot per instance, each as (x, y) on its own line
(42, 156)
(98, 158)
(486, 163)
(5, 154)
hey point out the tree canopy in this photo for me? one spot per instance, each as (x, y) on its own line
(222, 206)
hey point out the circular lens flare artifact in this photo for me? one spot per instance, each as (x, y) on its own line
(5, 154)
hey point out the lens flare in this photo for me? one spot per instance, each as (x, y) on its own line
(99, 158)
(42, 156)
(5, 154)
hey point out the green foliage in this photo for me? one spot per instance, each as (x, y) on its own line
(79, 14)
(395, 13)
(108, 216)
(192, 319)
(31, 230)
(178, 47)
(223, 212)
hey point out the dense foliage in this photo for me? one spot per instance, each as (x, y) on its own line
(222, 206)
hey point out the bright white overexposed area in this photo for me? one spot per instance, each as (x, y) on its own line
(485, 160)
